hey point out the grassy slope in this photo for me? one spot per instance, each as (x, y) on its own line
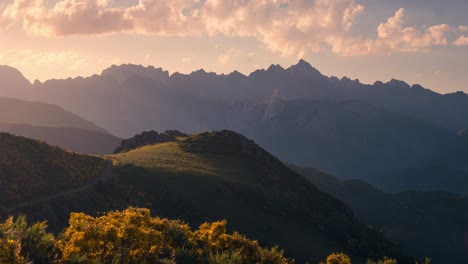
(432, 224)
(70, 138)
(30, 169)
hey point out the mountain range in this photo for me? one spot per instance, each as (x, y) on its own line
(375, 132)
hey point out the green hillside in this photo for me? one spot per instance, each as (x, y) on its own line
(223, 175)
(30, 169)
(432, 224)
(70, 138)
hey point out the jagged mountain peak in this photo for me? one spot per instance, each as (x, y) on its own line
(236, 74)
(125, 71)
(202, 73)
(275, 68)
(398, 84)
(304, 67)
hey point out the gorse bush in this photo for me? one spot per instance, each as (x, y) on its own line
(134, 236)
(130, 236)
(338, 258)
(341, 258)
(20, 243)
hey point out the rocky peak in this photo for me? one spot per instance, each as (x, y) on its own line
(125, 71)
(275, 68)
(303, 67)
(398, 84)
(147, 138)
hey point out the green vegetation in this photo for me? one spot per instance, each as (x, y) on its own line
(30, 169)
(134, 236)
(130, 236)
(222, 175)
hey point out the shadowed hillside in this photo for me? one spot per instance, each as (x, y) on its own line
(430, 224)
(30, 169)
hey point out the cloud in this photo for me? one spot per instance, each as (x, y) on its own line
(72, 59)
(393, 36)
(186, 60)
(463, 28)
(226, 57)
(461, 41)
(289, 27)
(34, 63)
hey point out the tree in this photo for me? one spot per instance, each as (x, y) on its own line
(338, 258)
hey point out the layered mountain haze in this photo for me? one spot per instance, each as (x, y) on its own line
(70, 138)
(37, 113)
(55, 126)
(341, 126)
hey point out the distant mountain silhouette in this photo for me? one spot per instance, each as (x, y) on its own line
(13, 83)
(55, 126)
(70, 138)
(349, 139)
(366, 130)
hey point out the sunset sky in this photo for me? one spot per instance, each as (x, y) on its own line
(418, 41)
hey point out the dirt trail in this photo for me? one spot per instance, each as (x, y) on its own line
(105, 175)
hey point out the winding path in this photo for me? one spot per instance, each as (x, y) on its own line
(105, 175)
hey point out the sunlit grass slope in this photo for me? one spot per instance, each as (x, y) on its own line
(172, 160)
(223, 175)
(30, 169)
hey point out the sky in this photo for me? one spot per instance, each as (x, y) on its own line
(419, 41)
